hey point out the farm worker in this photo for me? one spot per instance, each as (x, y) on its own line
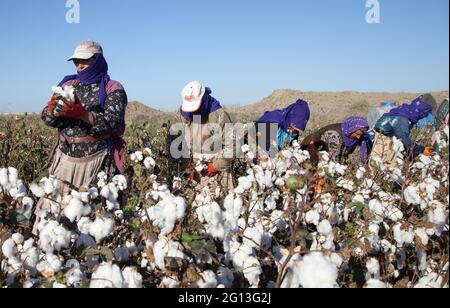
(209, 132)
(291, 122)
(90, 129)
(429, 122)
(398, 123)
(442, 116)
(347, 142)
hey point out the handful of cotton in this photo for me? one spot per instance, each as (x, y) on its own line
(66, 93)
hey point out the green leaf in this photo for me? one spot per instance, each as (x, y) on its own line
(106, 253)
(18, 219)
(89, 252)
(189, 238)
(358, 205)
(211, 247)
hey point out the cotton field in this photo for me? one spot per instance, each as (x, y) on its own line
(363, 229)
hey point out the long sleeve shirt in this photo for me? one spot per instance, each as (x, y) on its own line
(107, 120)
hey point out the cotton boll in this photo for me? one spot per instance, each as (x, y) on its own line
(166, 248)
(149, 163)
(13, 176)
(411, 195)
(101, 228)
(239, 253)
(316, 271)
(9, 248)
(403, 237)
(252, 271)
(439, 217)
(102, 179)
(49, 187)
(27, 207)
(17, 238)
(4, 177)
(171, 282)
(107, 276)
(132, 279)
(84, 225)
(50, 265)
(75, 210)
(167, 212)
(422, 234)
(259, 238)
(325, 228)
(53, 237)
(208, 280)
(360, 173)
(430, 281)
(373, 267)
(120, 181)
(375, 284)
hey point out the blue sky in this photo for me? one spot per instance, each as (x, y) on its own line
(242, 49)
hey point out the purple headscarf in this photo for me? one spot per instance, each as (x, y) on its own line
(352, 125)
(297, 114)
(97, 72)
(413, 112)
(209, 105)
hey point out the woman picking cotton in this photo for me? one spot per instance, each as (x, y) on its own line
(347, 142)
(291, 121)
(209, 133)
(91, 127)
(399, 123)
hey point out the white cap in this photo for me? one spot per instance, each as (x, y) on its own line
(86, 50)
(192, 95)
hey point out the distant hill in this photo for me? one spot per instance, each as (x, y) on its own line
(326, 107)
(137, 112)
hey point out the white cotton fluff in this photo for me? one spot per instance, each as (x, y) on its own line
(27, 207)
(411, 195)
(212, 214)
(245, 183)
(13, 176)
(252, 271)
(67, 92)
(233, 209)
(167, 212)
(101, 228)
(107, 276)
(9, 248)
(102, 179)
(50, 265)
(439, 217)
(53, 237)
(325, 228)
(120, 181)
(74, 275)
(76, 209)
(29, 255)
(373, 267)
(316, 271)
(4, 177)
(430, 281)
(403, 237)
(256, 237)
(375, 284)
(225, 277)
(239, 253)
(422, 234)
(149, 163)
(17, 238)
(84, 224)
(292, 277)
(208, 280)
(49, 185)
(166, 248)
(37, 190)
(171, 282)
(132, 279)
